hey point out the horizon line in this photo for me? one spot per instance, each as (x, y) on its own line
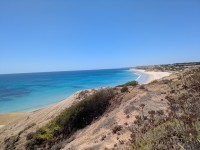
(64, 71)
(94, 69)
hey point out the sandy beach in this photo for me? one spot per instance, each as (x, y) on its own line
(149, 76)
(9, 117)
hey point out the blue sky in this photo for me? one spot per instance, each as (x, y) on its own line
(54, 35)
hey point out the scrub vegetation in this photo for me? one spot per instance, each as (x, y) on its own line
(70, 120)
(178, 127)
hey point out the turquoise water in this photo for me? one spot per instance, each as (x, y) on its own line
(24, 92)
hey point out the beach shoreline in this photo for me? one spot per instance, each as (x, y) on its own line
(41, 115)
(149, 76)
(144, 77)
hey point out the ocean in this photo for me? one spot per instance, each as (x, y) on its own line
(29, 91)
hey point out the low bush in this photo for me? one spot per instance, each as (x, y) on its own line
(72, 119)
(141, 87)
(124, 89)
(116, 129)
(131, 83)
(154, 81)
(29, 136)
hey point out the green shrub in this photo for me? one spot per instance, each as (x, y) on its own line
(124, 89)
(72, 119)
(131, 83)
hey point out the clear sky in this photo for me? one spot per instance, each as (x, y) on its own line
(55, 35)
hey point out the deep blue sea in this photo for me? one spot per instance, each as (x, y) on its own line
(29, 91)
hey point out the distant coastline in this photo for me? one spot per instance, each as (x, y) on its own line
(149, 76)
